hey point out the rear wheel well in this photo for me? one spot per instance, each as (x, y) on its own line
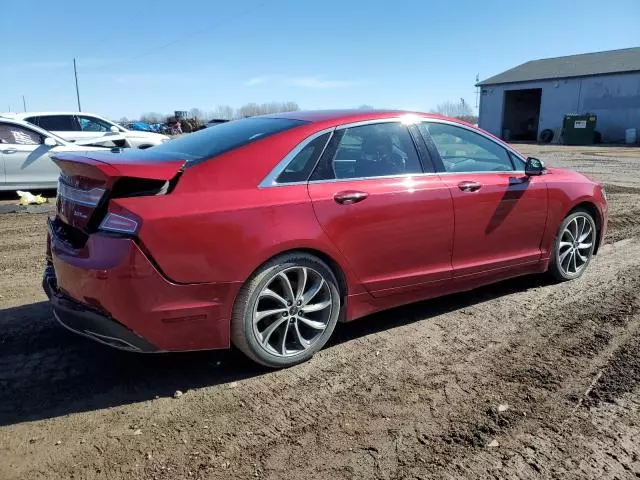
(334, 266)
(331, 263)
(595, 213)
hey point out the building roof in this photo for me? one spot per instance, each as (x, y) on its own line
(586, 64)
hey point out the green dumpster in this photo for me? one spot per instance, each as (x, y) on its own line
(579, 129)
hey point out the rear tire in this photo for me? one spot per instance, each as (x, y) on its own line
(573, 247)
(286, 311)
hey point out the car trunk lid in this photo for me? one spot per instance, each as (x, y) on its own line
(89, 179)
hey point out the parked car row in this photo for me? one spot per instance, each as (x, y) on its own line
(26, 150)
(75, 126)
(27, 141)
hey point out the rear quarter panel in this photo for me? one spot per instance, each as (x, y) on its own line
(224, 236)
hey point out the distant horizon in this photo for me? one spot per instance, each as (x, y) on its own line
(161, 58)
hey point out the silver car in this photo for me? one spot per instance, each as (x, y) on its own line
(25, 155)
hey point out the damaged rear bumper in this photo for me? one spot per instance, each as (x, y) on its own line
(91, 323)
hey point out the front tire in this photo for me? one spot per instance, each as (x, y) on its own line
(286, 311)
(574, 246)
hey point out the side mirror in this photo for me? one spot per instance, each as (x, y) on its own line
(50, 142)
(534, 167)
(114, 129)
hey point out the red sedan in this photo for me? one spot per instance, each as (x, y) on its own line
(265, 232)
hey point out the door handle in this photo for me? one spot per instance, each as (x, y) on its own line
(10, 150)
(469, 186)
(350, 196)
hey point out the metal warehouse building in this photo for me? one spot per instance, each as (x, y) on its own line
(522, 102)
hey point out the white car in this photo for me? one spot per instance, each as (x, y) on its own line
(75, 126)
(25, 155)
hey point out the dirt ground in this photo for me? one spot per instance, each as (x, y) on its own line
(523, 379)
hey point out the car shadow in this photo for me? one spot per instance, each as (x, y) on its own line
(507, 203)
(47, 372)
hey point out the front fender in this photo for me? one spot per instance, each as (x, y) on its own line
(566, 193)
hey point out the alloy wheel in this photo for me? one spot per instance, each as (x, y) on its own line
(292, 311)
(576, 245)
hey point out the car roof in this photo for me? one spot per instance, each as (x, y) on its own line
(354, 115)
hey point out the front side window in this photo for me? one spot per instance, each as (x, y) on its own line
(57, 123)
(376, 150)
(463, 150)
(92, 124)
(11, 134)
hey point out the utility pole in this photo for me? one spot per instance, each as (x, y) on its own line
(477, 89)
(75, 72)
(24, 103)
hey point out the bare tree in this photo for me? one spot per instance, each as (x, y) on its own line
(365, 107)
(454, 109)
(196, 113)
(152, 117)
(252, 109)
(289, 107)
(123, 120)
(224, 112)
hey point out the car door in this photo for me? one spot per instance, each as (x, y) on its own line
(63, 125)
(500, 213)
(392, 222)
(26, 158)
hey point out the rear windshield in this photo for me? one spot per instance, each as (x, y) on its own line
(210, 142)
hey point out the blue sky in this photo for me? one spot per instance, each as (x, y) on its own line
(139, 56)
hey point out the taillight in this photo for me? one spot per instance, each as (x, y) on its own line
(89, 198)
(120, 223)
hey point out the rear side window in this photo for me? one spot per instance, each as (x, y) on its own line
(60, 123)
(369, 151)
(207, 143)
(15, 135)
(300, 167)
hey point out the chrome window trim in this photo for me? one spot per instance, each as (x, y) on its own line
(270, 179)
(362, 123)
(359, 179)
(406, 175)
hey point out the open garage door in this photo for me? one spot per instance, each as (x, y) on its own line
(521, 114)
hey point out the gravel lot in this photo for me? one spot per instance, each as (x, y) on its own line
(523, 379)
